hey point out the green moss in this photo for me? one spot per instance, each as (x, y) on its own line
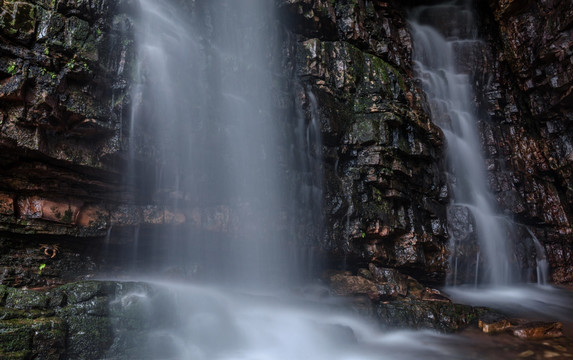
(26, 299)
(387, 73)
(12, 69)
(68, 216)
(15, 355)
(14, 336)
(377, 194)
(86, 290)
(89, 336)
(9, 314)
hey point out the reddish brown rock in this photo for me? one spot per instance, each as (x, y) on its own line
(126, 216)
(492, 323)
(93, 216)
(397, 283)
(538, 330)
(173, 218)
(156, 215)
(65, 212)
(30, 208)
(345, 284)
(434, 295)
(61, 211)
(6, 204)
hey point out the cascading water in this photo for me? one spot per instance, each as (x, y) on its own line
(483, 241)
(203, 96)
(441, 34)
(204, 93)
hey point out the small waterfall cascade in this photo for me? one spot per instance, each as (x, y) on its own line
(542, 268)
(442, 36)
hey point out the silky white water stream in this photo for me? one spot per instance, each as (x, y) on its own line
(449, 90)
(209, 323)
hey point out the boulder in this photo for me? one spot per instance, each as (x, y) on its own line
(492, 323)
(538, 330)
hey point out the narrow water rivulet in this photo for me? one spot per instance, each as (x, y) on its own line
(206, 76)
(441, 53)
(484, 265)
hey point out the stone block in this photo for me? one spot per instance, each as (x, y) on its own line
(6, 204)
(93, 216)
(538, 330)
(61, 211)
(492, 323)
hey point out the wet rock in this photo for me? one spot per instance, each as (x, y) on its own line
(93, 216)
(441, 316)
(26, 300)
(70, 321)
(538, 330)
(434, 295)
(6, 204)
(35, 262)
(63, 99)
(383, 197)
(529, 98)
(492, 323)
(61, 211)
(347, 285)
(399, 301)
(395, 282)
(526, 354)
(18, 21)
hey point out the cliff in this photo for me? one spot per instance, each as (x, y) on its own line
(526, 85)
(67, 211)
(65, 74)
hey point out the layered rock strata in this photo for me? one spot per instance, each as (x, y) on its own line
(384, 190)
(525, 80)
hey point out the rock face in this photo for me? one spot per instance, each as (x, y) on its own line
(65, 72)
(526, 82)
(64, 90)
(384, 190)
(82, 320)
(65, 107)
(64, 67)
(71, 322)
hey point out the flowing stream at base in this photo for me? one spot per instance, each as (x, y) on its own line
(209, 323)
(204, 92)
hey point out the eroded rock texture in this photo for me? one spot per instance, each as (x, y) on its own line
(84, 320)
(65, 68)
(526, 81)
(384, 191)
(64, 77)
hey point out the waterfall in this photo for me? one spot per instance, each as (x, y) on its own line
(442, 34)
(204, 73)
(203, 108)
(542, 268)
